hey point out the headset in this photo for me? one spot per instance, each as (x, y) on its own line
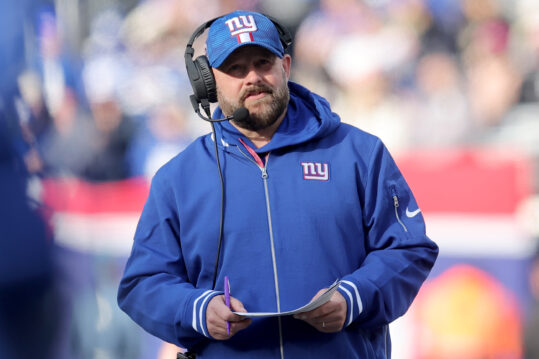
(204, 87)
(200, 73)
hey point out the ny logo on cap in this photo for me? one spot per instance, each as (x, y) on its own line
(242, 27)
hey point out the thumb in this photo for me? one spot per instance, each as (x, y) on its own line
(236, 305)
(320, 292)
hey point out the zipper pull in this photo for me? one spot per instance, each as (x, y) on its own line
(395, 201)
(264, 172)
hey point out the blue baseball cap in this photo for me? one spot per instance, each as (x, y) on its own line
(240, 28)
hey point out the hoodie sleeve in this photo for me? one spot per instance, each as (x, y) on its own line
(155, 290)
(399, 254)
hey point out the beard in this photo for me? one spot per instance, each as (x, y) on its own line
(262, 113)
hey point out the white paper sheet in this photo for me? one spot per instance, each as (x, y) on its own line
(307, 307)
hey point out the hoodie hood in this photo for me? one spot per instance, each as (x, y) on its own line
(308, 117)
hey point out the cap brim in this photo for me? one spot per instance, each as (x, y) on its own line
(217, 62)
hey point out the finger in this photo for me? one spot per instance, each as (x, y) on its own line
(237, 305)
(237, 326)
(319, 293)
(319, 322)
(216, 326)
(218, 331)
(328, 327)
(315, 314)
(331, 322)
(224, 313)
(337, 303)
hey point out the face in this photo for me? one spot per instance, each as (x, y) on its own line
(254, 78)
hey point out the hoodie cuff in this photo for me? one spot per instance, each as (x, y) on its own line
(198, 314)
(350, 292)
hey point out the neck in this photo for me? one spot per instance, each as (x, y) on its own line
(261, 137)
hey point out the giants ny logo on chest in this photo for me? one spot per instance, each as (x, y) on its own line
(317, 171)
(242, 27)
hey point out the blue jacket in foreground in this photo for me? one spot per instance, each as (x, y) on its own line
(329, 204)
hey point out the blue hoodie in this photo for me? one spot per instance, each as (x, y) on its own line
(329, 203)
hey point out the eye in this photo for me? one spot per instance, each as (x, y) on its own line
(264, 63)
(236, 70)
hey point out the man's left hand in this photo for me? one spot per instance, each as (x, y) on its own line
(329, 317)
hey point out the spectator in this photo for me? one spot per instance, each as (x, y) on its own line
(27, 306)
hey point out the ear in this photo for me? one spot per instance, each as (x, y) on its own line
(287, 63)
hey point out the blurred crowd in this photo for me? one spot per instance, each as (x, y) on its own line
(97, 89)
(103, 94)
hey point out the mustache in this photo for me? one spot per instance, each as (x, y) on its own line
(254, 90)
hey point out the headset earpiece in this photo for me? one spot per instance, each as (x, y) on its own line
(200, 73)
(205, 86)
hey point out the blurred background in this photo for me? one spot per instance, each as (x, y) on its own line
(94, 98)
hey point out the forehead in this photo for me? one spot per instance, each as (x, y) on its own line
(248, 52)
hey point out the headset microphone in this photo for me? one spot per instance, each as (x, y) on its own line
(241, 114)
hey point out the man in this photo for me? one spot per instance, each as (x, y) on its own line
(308, 200)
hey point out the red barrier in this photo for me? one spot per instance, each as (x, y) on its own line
(76, 196)
(468, 180)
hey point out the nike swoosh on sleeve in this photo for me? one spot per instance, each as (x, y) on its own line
(411, 214)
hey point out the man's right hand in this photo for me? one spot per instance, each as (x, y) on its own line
(217, 314)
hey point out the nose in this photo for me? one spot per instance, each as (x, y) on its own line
(252, 76)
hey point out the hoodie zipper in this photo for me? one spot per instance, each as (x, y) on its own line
(396, 205)
(263, 169)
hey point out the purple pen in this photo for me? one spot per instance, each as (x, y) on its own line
(227, 301)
